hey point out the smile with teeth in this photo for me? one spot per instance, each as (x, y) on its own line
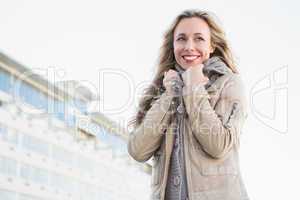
(190, 57)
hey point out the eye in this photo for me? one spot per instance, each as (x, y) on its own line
(180, 39)
(200, 39)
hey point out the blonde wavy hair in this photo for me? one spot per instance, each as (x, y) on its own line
(166, 59)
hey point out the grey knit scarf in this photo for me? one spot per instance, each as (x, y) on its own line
(213, 67)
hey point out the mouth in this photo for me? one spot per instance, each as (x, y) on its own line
(190, 58)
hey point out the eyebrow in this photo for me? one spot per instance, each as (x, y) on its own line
(183, 34)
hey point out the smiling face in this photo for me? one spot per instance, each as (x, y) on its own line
(192, 42)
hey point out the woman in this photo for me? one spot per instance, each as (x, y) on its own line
(189, 120)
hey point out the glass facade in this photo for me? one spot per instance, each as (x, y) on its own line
(26, 93)
(58, 162)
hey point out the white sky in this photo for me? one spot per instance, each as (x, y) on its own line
(83, 37)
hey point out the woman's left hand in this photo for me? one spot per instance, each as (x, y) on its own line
(194, 76)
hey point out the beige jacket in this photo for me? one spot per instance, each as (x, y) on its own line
(211, 140)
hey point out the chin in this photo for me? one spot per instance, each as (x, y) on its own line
(186, 66)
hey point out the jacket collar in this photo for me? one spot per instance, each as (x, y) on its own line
(215, 65)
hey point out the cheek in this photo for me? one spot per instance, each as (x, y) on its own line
(206, 55)
(177, 53)
(205, 50)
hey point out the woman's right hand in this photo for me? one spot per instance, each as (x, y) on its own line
(172, 82)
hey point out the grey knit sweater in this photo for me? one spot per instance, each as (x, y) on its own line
(177, 188)
(176, 183)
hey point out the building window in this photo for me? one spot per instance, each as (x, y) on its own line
(62, 183)
(32, 96)
(8, 135)
(37, 175)
(62, 155)
(3, 131)
(28, 197)
(5, 81)
(8, 166)
(7, 195)
(31, 143)
(85, 165)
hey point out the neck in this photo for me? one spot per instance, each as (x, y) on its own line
(179, 68)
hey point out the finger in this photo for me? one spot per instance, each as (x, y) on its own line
(172, 70)
(172, 73)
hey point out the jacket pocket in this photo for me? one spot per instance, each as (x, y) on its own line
(226, 167)
(219, 170)
(157, 167)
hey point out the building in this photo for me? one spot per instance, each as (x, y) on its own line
(51, 148)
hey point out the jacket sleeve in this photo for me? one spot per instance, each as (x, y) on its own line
(217, 129)
(147, 137)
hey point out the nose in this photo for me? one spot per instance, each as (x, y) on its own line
(189, 45)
